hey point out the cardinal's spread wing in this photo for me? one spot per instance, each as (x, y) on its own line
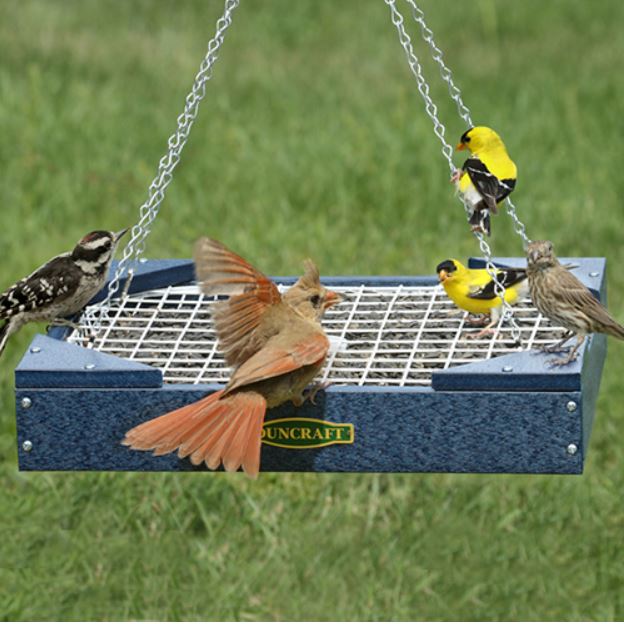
(507, 277)
(281, 358)
(237, 320)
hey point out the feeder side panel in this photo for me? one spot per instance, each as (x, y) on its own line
(593, 364)
(395, 431)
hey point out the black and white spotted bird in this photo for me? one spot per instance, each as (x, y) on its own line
(487, 177)
(61, 287)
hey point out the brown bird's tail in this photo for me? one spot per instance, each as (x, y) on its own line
(216, 429)
(614, 329)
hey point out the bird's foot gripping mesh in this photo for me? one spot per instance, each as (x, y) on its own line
(381, 335)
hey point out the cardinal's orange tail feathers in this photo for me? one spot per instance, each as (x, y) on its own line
(214, 430)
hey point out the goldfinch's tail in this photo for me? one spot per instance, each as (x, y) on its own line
(480, 220)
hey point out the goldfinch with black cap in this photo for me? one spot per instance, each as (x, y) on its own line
(487, 177)
(474, 290)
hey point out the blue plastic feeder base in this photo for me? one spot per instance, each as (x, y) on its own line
(509, 414)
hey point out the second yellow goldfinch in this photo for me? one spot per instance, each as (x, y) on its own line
(474, 290)
(487, 177)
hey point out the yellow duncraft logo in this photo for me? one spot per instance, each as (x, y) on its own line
(306, 433)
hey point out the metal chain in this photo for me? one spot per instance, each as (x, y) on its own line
(519, 227)
(440, 131)
(437, 55)
(430, 108)
(156, 193)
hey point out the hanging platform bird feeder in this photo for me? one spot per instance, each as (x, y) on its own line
(410, 390)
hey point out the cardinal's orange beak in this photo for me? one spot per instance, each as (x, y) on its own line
(442, 275)
(460, 146)
(332, 298)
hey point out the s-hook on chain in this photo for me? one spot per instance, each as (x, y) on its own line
(156, 193)
(439, 130)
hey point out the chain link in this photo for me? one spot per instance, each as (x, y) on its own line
(519, 227)
(440, 131)
(135, 247)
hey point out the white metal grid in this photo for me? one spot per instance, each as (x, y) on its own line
(381, 335)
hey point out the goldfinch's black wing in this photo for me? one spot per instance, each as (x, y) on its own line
(507, 277)
(489, 186)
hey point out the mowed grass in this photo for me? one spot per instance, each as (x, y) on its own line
(312, 141)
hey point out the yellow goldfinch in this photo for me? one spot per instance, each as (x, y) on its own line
(474, 290)
(487, 177)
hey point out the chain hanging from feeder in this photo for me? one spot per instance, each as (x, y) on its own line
(439, 130)
(176, 142)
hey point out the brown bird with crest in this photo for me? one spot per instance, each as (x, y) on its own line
(275, 344)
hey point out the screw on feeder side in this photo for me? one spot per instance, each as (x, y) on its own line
(507, 369)
(26, 402)
(89, 366)
(571, 406)
(27, 446)
(571, 449)
(35, 349)
(594, 274)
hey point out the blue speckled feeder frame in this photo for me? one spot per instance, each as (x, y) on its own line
(510, 414)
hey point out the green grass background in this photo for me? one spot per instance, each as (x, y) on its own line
(312, 141)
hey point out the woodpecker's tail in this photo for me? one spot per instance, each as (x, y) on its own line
(216, 429)
(4, 335)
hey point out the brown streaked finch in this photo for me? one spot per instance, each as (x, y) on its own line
(565, 300)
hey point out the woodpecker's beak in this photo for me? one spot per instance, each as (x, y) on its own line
(332, 298)
(119, 234)
(442, 275)
(460, 146)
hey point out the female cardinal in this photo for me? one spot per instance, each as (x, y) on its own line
(276, 346)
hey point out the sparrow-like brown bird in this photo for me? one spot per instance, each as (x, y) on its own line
(562, 298)
(275, 344)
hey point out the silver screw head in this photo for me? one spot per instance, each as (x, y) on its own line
(571, 406)
(35, 349)
(27, 446)
(143, 261)
(507, 369)
(25, 402)
(89, 366)
(594, 274)
(572, 449)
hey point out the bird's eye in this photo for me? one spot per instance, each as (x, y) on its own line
(314, 300)
(467, 139)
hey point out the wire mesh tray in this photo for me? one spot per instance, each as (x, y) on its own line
(380, 335)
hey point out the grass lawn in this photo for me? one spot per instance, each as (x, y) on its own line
(312, 141)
